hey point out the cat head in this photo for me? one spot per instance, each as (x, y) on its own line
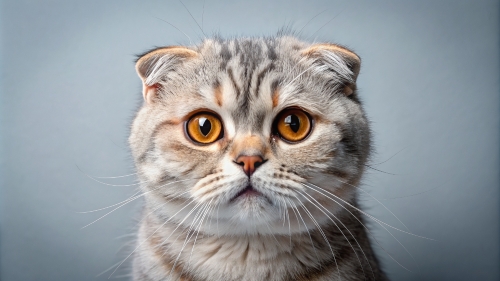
(248, 130)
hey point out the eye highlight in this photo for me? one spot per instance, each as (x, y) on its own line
(293, 124)
(204, 128)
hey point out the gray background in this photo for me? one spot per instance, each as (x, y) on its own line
(429, 80)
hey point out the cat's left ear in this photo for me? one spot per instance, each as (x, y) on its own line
(154, 65)
(344, 62)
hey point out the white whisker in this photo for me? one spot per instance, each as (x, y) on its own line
(116, 177)
(322, 234)
(189, 203)
(218, 233)
(388, 158)
(375, 219)
(161, 205)
(193, 19)
(365, 226)
(189, 234)
(305, 226)
(406, 196)
(308, 38)
(187, 36)
(317, 205)
(101, 182)
(300, 30)
(298, 76)
(133, 197)
(198, 232)
(289, 224)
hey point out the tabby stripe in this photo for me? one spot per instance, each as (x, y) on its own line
(261, 76)
(151, 144)
(168, 261)
(235, 85)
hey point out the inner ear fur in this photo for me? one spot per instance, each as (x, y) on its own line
(352, 61)
(148, 63)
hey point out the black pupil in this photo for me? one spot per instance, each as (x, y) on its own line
(205, 126)
(293, 121)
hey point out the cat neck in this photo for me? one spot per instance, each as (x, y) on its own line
(184, 252)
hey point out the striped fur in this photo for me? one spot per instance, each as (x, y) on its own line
(304, 225)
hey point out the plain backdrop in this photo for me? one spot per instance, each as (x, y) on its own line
(429, 81)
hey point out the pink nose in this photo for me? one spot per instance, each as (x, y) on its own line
(249, 163)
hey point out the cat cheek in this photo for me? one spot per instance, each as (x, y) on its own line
(151, 172)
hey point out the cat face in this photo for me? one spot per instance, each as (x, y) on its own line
(245, 132)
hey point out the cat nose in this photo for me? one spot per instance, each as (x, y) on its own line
(249, 163)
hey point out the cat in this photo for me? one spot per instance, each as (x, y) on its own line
(249, 152)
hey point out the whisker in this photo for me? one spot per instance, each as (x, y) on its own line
(389, 157)
(310, 21)
(123, 203)
(298, 76)
(401, 197)
(218, 233)
(198, 232)
(202, 14)
(283, 212)
(179, 224)
(211, 218)
(189, 234)
(103, 216)
(108, 269)
(128, 200)
(94, 179)
(354, 216)
(322, 234)
(272, 234)
(189, 214)
(305, 226)
(161, 205)
(193, 18)
(189, 38)
(352, 247)
(289, 225)
(374, 218)
(375, 169)
(296, 217)
(189, 203)
(129, 275)
(134, 197)
(116, 177)
(365, 226)
(385, 207)
(308, 38)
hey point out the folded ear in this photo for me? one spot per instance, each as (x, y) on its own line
(153, 65)
(342, 61)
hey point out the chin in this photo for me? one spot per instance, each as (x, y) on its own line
(253, 205)
(247, 215)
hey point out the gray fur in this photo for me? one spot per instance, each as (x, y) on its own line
(192, 230)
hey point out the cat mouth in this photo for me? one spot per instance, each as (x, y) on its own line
(247, 192)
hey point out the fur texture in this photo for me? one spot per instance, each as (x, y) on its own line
(301, 220)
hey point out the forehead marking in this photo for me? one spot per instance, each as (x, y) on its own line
(276, 97)
(218, 94)
(261, 76)
(235, 85)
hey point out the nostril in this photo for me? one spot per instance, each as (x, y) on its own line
(258, 163)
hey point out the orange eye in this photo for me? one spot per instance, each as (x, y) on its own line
(204, 128)
(293, 125)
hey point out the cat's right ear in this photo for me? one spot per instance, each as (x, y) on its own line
(152, 66)
(336, 59)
